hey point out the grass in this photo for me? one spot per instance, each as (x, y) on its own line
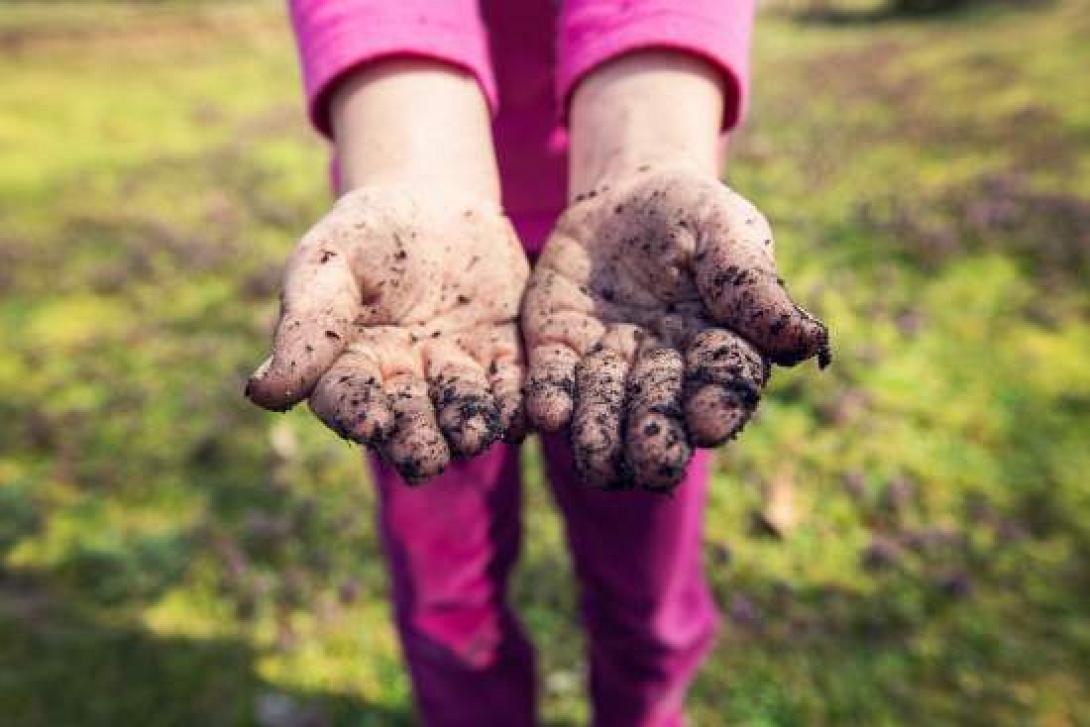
(172, 556)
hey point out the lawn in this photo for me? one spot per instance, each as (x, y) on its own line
(901, 539)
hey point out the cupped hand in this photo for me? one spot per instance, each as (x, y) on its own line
(650, 321)
(399, 323)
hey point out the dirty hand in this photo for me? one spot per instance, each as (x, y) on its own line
(650, 321)
(398, 322)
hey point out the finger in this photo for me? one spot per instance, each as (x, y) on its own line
(596, 422)
(559, 327)
(317, 304)
(505, 377)
(415, 446)
(550, 386)
(349, 398)
(463, 400)
(724, 376)
(737, 279)
(656, 445)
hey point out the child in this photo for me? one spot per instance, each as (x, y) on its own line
(649, 319)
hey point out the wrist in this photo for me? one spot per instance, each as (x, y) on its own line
(417, 124)
(651, 108)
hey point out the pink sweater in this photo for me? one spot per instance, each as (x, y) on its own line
(527, 57)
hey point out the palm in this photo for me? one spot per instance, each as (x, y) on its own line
(398, 322)
(650, 320)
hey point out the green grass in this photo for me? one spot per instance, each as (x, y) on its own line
(173, 556)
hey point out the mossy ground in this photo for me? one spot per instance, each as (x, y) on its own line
(171, 555)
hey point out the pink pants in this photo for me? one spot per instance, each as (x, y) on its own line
(452, 542)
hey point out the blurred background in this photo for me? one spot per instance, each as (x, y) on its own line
(904, 538)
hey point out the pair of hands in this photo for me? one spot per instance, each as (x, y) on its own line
(650, 321)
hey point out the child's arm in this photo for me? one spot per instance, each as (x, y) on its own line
(416, 124)
(654, 311)
(654, 107)
(399, 307)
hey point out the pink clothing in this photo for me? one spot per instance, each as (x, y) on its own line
(527, 58)
(451, 543)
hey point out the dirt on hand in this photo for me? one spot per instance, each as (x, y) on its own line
(651, 321)
(399, 323)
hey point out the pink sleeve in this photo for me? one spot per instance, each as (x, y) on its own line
(595, 31)
(334, 36)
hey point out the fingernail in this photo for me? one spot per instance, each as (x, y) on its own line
(261, 371)
(258, 374)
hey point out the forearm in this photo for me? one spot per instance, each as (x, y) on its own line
(650, 107)
(417, 123)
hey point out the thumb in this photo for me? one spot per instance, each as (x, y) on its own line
(737, 279)
(317, 306)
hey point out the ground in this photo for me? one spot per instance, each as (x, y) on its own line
(903, 538)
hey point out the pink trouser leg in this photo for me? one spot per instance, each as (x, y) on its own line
(450, 544)
(648, 611)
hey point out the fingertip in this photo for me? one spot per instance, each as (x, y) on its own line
(374, 427)
(600, 464)
(418, 456)
(658, 451)
(418, 470)
(415, 447)
(715, 414)
(743, 293)
(269, 391)
(301, 356)
(549, 391)
(470, 425)
(507, 380)
(549, 406)
(350, 402)
(656, 444)
(796, 337)
(597, 437)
